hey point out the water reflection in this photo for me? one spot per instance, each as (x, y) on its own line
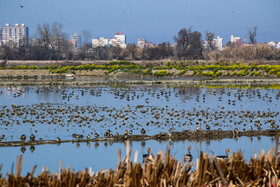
(104, 154)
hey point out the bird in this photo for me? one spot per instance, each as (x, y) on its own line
(125, 132)
(88, 136)
(21, 6)
(32, 137)
(130, 132)
(143, 131)
(148, 157)
(197, 128)
(207, 127)
(220, 130)
(117, 134)
(58, 139)
(32, 148)
(23, 137)
(188, 156)
(96, 135)
(223, 157)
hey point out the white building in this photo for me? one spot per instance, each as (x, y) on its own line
(278, 45)
(118, 40)
(233, 39)
(271, 44)
(16, 35)
(218, 43)
(141, 42)
(75, 39)
(99, 42)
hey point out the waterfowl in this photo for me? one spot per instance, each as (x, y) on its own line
(32, 137)
(32, 148)
(117, 134)
(143, 131)
(224, 157)
(188, 156)
(125, 132)
(58, 139)
(130, 132)
(23, 149)
(96, 135)
(147, 157)
(207, 127)
(23, 137)
(88, 136)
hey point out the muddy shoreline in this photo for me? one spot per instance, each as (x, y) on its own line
(201, 135)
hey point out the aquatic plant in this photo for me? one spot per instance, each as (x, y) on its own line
(162, 170)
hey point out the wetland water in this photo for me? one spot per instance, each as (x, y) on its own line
(49, 112)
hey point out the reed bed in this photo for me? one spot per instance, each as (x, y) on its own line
(162, 170)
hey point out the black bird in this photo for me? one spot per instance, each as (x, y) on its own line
(21, 6)
(224, 157)
(188, 156)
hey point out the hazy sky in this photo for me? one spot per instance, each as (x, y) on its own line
(156, 20)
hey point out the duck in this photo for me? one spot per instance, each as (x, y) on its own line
(207, 127)
(143, 131)
(147, 157)
(32, 137)
(88, 136)
(96, 135)
(223, 157)
(130, 132)
(188, 156)
(23, 137)
(125, 132)
(58, 139)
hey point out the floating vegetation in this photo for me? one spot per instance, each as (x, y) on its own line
(162, 170)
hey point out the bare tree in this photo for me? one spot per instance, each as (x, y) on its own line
(188, 44)
(86, 34)
(252, 35)
(210, 41)
(53, 39)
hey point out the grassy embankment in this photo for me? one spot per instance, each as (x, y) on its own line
(168, 69)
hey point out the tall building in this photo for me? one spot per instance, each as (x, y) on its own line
(75, 40)
(118, 40)
(218, 43)
(15, 35)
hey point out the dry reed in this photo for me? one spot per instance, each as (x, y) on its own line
(163, 171)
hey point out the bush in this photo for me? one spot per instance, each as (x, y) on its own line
(162, 73)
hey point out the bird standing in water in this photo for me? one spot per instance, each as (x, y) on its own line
(188, 156)
(148, 157)
(223, 157)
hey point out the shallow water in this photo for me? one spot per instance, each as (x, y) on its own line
(51, 112)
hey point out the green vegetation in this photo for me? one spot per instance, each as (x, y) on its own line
(165, 69)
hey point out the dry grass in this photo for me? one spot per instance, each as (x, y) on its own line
(162, 170)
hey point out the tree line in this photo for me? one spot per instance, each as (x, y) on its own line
(51, 44)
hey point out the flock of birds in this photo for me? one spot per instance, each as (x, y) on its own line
(137, 110)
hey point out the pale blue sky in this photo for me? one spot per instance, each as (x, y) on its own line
(156, 20)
